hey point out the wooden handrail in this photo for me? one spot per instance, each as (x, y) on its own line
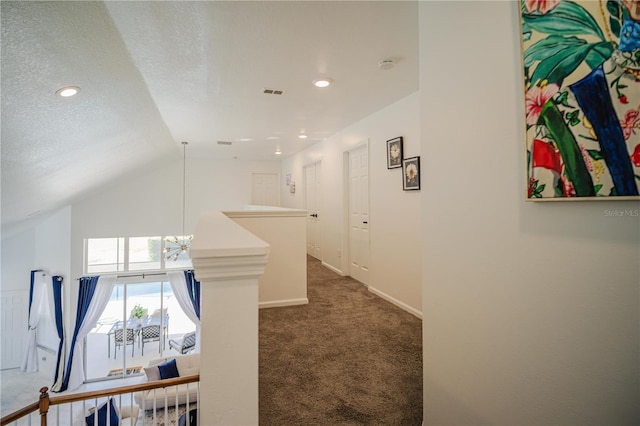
(10, 418)
(64, 399)
(45, 401)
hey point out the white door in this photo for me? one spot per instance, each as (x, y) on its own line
(359, 214)
(265, 190)
(14, 306)
(313, 196)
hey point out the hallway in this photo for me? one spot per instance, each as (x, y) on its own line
(348, 357)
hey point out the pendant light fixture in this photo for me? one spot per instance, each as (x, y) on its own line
(175, 246)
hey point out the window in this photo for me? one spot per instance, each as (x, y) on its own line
(104, 255)
(122, 254)
(135, 327)
(144, 253)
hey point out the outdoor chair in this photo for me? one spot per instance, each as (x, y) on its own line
(150, 333)
(119, 340)
(185, 344)
(162, 314)
(159, 313)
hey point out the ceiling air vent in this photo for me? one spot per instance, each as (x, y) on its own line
(272, 92)
(224, 143)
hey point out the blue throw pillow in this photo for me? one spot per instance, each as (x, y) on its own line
(102, 416)
(168, 370)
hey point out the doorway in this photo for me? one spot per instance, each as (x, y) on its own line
(313, 198)
(265, 190)
(358, 164)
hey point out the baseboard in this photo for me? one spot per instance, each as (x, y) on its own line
(281, 303)
(396, 302)
(336, 270)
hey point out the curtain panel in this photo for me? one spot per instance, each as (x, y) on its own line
(36, 305)
(93, 295)
(187, 292)
(57, 313)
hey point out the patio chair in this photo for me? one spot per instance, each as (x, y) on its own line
(119, 340)
(185, 344)
(150, 333)
(159, 313)
(162, 315)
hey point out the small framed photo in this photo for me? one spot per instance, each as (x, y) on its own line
(394, 153)
(288, 179)
(292, 187)
(411, 174)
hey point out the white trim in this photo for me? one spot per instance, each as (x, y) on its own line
(262, 211)
(281, 303)
(334, 269)
(396, 302)
(47, 349)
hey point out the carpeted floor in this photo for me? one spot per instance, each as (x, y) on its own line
(347, 358)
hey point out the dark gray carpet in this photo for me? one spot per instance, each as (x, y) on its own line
(348, 358)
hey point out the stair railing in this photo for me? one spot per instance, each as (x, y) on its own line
(23, 415)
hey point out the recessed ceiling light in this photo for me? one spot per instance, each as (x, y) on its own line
(322, 82)
(67, 91)
(303, 136)
(278, 152)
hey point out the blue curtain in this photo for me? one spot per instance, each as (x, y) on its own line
(57, 303)
(33, 279)
(193, 288)
(85, 295)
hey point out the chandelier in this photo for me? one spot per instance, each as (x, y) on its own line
(177, 245)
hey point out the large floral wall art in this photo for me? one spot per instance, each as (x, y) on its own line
(581, 63)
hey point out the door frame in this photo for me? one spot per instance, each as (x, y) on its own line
(315, 163)
(278, 189)
(345, 254)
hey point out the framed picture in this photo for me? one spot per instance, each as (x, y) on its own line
(288, 179)
(394, 153)
(411, 173)
(581, 69)
(292, 187)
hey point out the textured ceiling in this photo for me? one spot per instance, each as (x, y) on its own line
(156, 73)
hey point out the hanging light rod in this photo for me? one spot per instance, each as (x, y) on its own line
(184, 182)
(176, 246)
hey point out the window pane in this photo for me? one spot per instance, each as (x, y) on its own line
(144, 253)
(105, 254)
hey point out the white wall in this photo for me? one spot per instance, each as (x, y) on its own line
(395, 245)
(530, 309)
(18, 258)
(52, 247)
(284, 282)
(44, 244)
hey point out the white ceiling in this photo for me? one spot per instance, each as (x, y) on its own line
(153, 74)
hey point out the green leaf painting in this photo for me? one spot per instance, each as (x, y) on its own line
(568, 18)
(567, 45)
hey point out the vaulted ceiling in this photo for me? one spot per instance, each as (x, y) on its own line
(153, 74)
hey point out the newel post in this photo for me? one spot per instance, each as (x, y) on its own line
(43, 405)
(228, 260)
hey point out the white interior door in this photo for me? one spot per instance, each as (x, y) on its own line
(313, 179)
(15, 313)
(359, 214)
(265, 190)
